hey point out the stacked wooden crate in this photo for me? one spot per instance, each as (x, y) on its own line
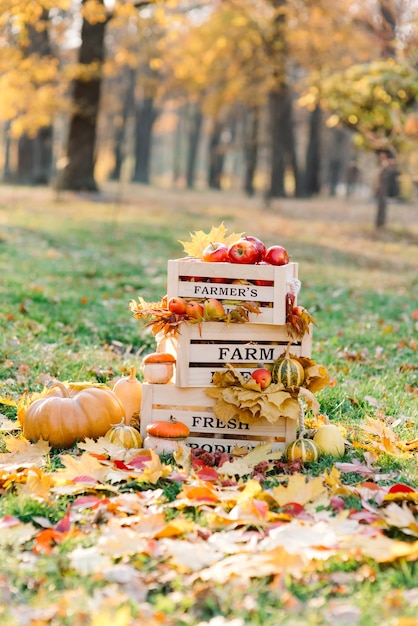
(203, 348)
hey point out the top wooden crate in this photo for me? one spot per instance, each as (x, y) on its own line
(233, 283)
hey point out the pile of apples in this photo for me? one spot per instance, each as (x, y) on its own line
(247, 250)
(209, 310)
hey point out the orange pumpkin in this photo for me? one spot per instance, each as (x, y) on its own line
(164, 436)
(129, 391)
(68, 413)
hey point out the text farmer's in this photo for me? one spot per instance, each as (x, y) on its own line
(226, 291)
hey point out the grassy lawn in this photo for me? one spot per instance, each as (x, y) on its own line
(69, 267)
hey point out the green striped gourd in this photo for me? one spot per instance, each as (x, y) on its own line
(304, 449)
(288, 371)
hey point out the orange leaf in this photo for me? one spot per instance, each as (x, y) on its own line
(199, 493)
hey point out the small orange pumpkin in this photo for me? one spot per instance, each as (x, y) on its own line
(166, 436)
(158, 367)
(129, 391)
(68, 413)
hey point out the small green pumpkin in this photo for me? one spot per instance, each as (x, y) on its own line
(288, 371)
(304, 449)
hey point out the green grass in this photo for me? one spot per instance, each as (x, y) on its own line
(69, 268)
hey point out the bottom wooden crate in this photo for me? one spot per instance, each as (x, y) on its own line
(192, 406)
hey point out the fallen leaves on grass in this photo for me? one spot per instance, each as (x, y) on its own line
(205, 524)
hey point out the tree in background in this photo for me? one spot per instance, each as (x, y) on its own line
(375, 99)
(30, 88)
(229, 66)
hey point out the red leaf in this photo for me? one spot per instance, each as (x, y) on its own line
(121, 465)
(401, 488)
(293, 508)
(88, 480)
(337, 503)
(88, 502)
(207, 473)
(64, 524)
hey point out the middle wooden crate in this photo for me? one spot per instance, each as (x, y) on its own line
(193, 407)
(202, 349)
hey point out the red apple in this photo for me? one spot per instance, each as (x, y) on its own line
(177, 305)
(215, 253)
(219, 279)
(260, 281)
(262, 376)
(277, 255)
(298, 310)
(243, 251)
(258, 244)
(213, 309)
(194, 310)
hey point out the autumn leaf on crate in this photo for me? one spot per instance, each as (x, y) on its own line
(310, 400)
(161, 320)
(199, 240)
(157, 316)
(246, 464)
(298, 320)
(240, 313)
(316, 375)
(239, 398)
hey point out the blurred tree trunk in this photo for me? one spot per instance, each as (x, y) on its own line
(313, 154)
(337, 152)
(387, 36)
(145, 116)
(216, 156)
(179, 133)
(34, 154)
(120, 128)
(78, 173)
(283, 151)
(194, 134)
(7, 168)
(251, 127)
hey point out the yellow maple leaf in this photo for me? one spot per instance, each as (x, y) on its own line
(200, 240)
(118, 617)
(7, 401)
(37, 484)
(245, 465)
(154, 469)
(382, 438)
(299, 490)
(82, 467)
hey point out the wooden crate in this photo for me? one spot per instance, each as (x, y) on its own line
(193, 407)
(202, 349)
(195, 280)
